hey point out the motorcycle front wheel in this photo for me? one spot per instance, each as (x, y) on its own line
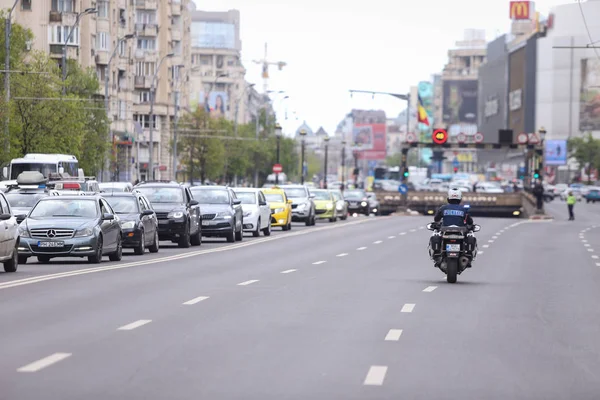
(451, 270)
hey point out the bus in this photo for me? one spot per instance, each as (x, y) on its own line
(46, 164)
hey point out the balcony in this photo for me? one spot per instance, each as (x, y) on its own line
(146, 29)
(142, 82)
(146, 55)
(176, 8)
(175, 34)
(101, 57)
(63, 18)
(147, 4)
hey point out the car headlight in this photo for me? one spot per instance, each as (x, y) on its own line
(175, 214)
(329, 206)
(128, 225)
(340, 207)
(301, 207)
(279, 210)
(224, 215)
(24, 232)
(84, 232)
(364, 204)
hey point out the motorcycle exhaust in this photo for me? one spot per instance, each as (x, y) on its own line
(464, 261)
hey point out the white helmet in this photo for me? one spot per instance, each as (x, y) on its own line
(454, 194)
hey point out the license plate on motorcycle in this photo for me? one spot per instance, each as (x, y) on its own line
(453, 247)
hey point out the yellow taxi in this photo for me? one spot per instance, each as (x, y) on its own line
(281, 207)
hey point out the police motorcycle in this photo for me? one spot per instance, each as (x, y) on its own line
(456, 245)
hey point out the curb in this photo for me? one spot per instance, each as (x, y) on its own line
(541, 217)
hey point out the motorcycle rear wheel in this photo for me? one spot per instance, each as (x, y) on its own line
(451, 270)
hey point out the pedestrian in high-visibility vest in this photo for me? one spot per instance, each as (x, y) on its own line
(571, 200)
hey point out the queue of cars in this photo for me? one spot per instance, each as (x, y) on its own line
(46, 220)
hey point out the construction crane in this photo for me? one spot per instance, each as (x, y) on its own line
(265, 68)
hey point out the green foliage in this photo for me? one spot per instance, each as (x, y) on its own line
(18, 42)
(586, 150)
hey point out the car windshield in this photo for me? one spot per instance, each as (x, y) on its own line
(321, 195)
(211, 196)
(246, 197)
(162, 194)
(20, 200)
(113, 187)
(295, 193)
(336, 195)
(58, 208)
(274, 198)
(354, 194)
(124, 205)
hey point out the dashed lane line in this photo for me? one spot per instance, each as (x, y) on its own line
(586, 245)
(480, 252)
(591, 250)
(319, 262)
(44, 362)
(413, 230)
(598, 264)
(485, 246)
(246, 283)
(195, 301)
(429, 289)
(494, 237)
(402, 233)
(288, 271)
(134, 325)
(376, 375)
(377, 242)
(393, 335)
(60, 275)
(408, 308)
(342, 255)
(361, 248)
(594, 256)
(391, 237)
(490, 241)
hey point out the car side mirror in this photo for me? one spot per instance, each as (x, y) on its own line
(311, 196)
(262, 203)
(108, 217)
(194, 202)
(237, 202)
(148, 212)
(476, 228)
(4, 217)
(430, 227)
(290, 202)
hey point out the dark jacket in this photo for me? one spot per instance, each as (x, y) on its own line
(453, 214)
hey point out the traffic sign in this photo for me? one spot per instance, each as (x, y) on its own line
(522, 138)
(411, 137)
(403, 188)
(277, 168)
(461, 138)
(440, 136)
(478, 137)
(533, 138)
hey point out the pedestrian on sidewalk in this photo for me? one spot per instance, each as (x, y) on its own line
(571, 200)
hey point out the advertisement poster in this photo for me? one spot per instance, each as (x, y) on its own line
(556, 152)
(589, 101)
(460, 106)
(369, 129)
(362, 137)
(425, 91)
(214, 103)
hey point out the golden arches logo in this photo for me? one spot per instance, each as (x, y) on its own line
(519, 10)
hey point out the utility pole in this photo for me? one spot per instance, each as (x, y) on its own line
(7, 34)
(176, 119)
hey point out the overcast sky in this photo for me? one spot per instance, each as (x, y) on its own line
(332, 46)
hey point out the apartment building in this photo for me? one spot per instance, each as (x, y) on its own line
(125, 41)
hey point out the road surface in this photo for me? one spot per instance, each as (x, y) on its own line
(350, 310)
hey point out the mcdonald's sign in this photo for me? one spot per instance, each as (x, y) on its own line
(521, 10)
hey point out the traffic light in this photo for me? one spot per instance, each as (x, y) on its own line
(406, 172)
(536, 174)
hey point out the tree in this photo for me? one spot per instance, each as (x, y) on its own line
(19, 39)
(586, 150)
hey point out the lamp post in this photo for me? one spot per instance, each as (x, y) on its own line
(7, 34)
(278, 133)
(106, 98)
(325, 166)
(302, 136)
(87, 11)
(542, 133)
(343, 165)
(152, 99)
(176, 118)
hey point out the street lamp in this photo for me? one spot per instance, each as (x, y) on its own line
(302, 136)
(356, 170)
(176, 118)
(152, 99)
(87, 11)
(106, 96)
(327, 138)
(278, 133)
(7, 33)
(343, 165)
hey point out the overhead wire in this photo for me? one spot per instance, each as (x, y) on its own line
(591, 44)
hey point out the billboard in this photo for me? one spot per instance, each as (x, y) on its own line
(362, 136)
(369, 130)
(556, 152)
(460, 106)
(516, 91)
(214, 103)
(521, 10)
(589, 99)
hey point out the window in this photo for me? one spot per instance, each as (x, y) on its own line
(26, 5)
(144, 96)
(145, 68)
(122, 110)
(122, 48)
(102, 9)
(213, 35)
(145, 43)
(177, 21)
(103, 41)
(101, 72)
(58, 34)
(206, 60)
(176, 47)
(146, 17)
(144, 120)
(63, 5)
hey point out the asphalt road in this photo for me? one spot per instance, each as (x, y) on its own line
(349, 310)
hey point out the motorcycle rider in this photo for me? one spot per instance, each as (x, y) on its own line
(449, 214)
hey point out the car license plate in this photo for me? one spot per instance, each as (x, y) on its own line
(205, 223)
(51, 244)
(453, 247)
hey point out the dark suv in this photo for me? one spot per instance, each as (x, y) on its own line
(222, 213)
(177, 212)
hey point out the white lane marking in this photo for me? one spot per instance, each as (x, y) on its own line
(250, 282)
(422, 227)
(584, 241)
(587, 245)
(134, 325)
(591, 250)
(598, 264)
(342, 255)
(413, 230)
(407, 307)
(490, 241)
(376, 375)
(319, 262)
(402, 233)
(288, 271)
(196, 300)
(485, 246)
(361, 248)
(498, 233)
(430, 289)
(480, 252)
(494, 237)
(393, 335)
(377, 242)
(594, 256)
(43, 278)
(44, 362)
(391, 237)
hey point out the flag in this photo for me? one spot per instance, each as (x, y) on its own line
(422, 113)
